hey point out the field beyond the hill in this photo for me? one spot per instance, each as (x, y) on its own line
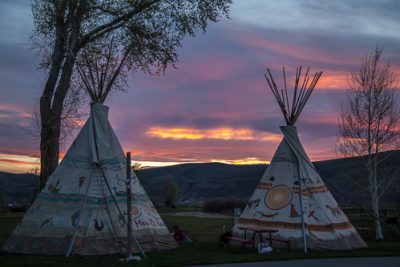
(204, 249)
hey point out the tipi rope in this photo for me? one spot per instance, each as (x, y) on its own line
(111, 193)
(113, 231)
(348, 197)
(292, 146)
(71, 243)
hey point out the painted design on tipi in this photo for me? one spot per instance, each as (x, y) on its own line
(295, 195)
(78, 202)
(278, 197)
(268, 215)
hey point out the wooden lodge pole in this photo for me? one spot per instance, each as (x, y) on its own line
(303, 227)
(130, 236)
(129, 204)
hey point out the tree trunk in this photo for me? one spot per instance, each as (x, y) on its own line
(50, 116)
(378, 228)
(49, 145)
(375, 209)
(66, 46)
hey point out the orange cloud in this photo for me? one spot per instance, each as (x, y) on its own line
(18, 163)
(240, 134)
(155, 164)
(338, 80)
(333, 81)
(78, 122)
(244, 161)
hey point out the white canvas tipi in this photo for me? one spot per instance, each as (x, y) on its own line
(83, 207)
(83, 203)
(291, 197)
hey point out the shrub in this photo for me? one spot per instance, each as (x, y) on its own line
(223, 205)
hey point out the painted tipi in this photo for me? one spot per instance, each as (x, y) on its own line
(291, 197)
(83, 206)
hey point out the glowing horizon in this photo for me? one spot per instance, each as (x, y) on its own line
(27, 164)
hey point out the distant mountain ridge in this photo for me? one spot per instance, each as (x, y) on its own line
(17, 187)
(198, 182)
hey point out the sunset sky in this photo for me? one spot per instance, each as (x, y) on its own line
(216, 105)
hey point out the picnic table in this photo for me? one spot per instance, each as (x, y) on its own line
(258, 231)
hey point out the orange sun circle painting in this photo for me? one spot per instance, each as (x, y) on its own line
(134, 210)
(278, 197)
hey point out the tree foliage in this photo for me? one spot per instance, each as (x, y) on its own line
(153, 29)
(150, 31)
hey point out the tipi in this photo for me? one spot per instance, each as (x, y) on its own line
(291, 197)
(82, 209)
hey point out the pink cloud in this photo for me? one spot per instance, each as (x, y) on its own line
(303, 52)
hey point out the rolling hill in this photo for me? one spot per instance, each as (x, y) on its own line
(17, 188)
(199, 182)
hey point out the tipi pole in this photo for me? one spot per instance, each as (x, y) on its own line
(303, 227)
(129, 204)
(302, 93)
(130, 234)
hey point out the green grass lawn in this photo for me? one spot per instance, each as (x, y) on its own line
(203, 250)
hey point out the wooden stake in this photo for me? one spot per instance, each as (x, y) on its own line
(129, 205)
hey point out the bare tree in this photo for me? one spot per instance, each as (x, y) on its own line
(152, 30)
(369, 124)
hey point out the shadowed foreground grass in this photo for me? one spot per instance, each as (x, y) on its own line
(203, 250)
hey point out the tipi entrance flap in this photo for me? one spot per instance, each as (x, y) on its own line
(99, 130)
(77, 200)
(104, 144)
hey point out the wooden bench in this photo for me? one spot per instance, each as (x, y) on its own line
(238, 239)
(281, 240)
